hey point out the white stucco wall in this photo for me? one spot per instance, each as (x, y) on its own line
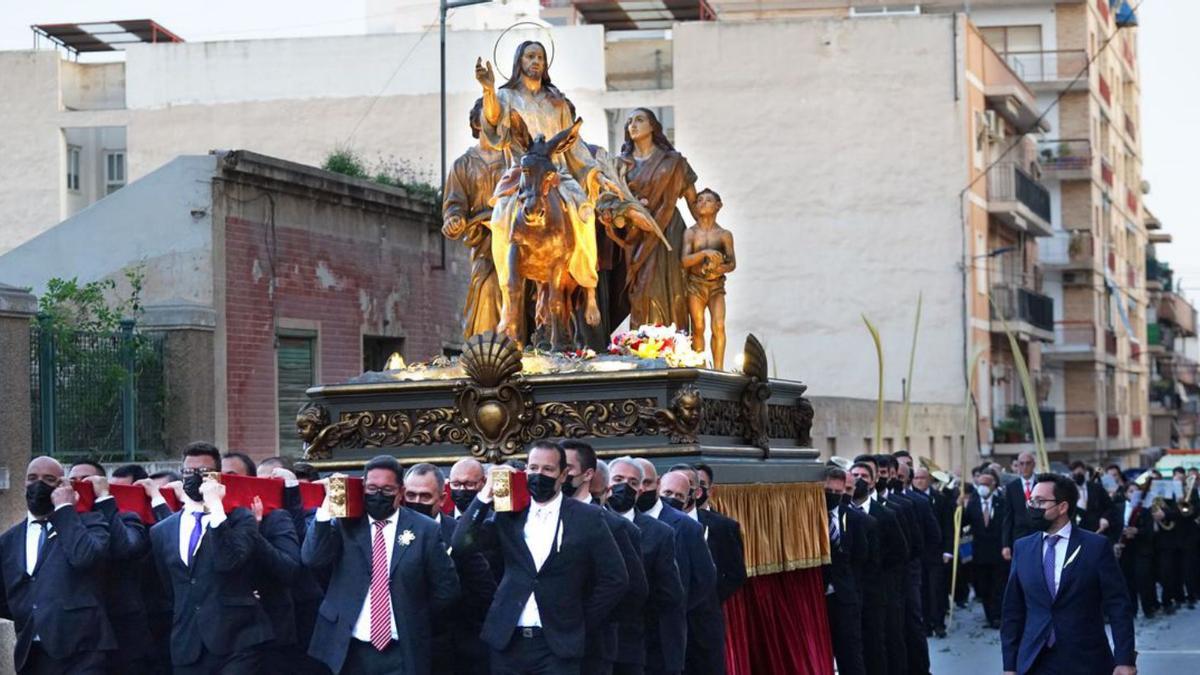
(32, 180)
(839, 150)
(150, 222)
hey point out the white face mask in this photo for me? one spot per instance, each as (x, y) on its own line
(984, 491)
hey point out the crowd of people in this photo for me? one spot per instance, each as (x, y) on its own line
(892, 533)
(611, 568)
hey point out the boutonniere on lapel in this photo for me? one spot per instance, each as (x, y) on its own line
(407, 537)
(1071, 558)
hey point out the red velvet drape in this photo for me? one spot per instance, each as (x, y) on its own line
(776, 625)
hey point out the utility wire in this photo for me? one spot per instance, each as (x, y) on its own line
(1053, 104)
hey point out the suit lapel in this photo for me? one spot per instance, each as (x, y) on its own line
(516, 534)
(402, 543)
(1070, 564)
(1037, 561)
(24, 539)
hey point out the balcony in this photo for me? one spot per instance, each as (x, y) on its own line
(1081, 341)
(1068, 250)
(1158, 274)
(1018, 200)
(1175, 310)
(1061, 70)
(1027, 313)
(1066, 159)
(1017, 427)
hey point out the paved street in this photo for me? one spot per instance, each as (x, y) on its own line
(1166, 645)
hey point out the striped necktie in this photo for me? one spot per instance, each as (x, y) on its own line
(381, 597)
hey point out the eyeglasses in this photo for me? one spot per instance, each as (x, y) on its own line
(1041, 503)
(464, 485)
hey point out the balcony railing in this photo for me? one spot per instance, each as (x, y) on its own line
(1065, 155)
(1110, 342)
(1017, 427)
(1007, 182)
(1068, 247)
(1075, 334)
(1049, 66)
(1013, 303)
(1177, 311)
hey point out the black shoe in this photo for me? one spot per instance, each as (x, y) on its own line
(1191, 604)
(1169, 609)
(940, 632)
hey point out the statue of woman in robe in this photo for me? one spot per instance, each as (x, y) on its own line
(659, 176)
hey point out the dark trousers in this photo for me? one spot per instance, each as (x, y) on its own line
(914, 622)
(84, 663)
(845, 629)
(237, 663)
(594, 665)
(935, 597)
(874, 624)
(362, 658)
(1170, 575)
(989, 587)
(628, 669)
(897, 651)
(1139, 579)
(1191, 570)
(530, 655)
(962, 587)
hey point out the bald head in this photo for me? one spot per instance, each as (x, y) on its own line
(45, 469)
(675, 485)
(466, 473)
(599, 485)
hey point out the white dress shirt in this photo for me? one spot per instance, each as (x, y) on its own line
(1130, 505)
(187, 522)
(629, 515)
(1082, 503)
(362, 625)
(1060, 553)
(985, 504)
(655, 510)
(694, 514)
(541, 525)
(33, 534)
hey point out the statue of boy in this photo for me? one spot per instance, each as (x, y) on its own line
(707, 257)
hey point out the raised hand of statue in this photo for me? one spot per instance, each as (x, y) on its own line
(453, 226)
(484, 74)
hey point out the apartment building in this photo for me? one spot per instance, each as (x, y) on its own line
(1171, 348)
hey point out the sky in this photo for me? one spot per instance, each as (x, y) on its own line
(1169, 77)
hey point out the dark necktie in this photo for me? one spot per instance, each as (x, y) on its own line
(1048, 569)
(194, 540)
(45, 525)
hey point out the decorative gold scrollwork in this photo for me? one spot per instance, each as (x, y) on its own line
(756, 393)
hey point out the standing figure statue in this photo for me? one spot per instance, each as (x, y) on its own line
(525, 109)
(466, 211)
(659, 176)
(708, 256)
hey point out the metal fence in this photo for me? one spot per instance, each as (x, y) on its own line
(97, 395)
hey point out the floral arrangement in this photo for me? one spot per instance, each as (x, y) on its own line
(657, 342)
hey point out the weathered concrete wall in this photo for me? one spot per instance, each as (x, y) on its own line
(846, 427)
(837, 147)
(161, 223)
(32, 180)
(16, 309)
(188, 371)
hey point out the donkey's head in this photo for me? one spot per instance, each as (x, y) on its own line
(539, 175)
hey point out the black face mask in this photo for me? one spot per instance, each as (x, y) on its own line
(1079, 478)
(462, 498)
(1037, 518)
(703, 498)
(622, 498)
(860, 490)
(845, 500)
(673, 503)
(379, 505)
(646, 501)
(832, 500)
(896, 485)
(542, 488)
(37, 498)
(191, 486)
(423, 509)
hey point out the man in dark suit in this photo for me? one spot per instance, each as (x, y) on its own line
(456, 645)
(1091, 513)
(843, 596)
(1134, 548)
(390, 574)
(723, 534)
(706, 622)
(1016, 494)
(923, 535)
(276, 567)
(1064, 586)
(935, 601)
(128, 549)
(883, 608)
(603, 647)
(52, 569)
(985, 515)
(206, 560)
(563, 574)
(655, 644)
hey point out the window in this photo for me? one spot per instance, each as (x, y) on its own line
(1009, 39)
(377, 349)
(831, 445)
(73, 168)
(114, 171)
(295, 358)
(867, 442)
